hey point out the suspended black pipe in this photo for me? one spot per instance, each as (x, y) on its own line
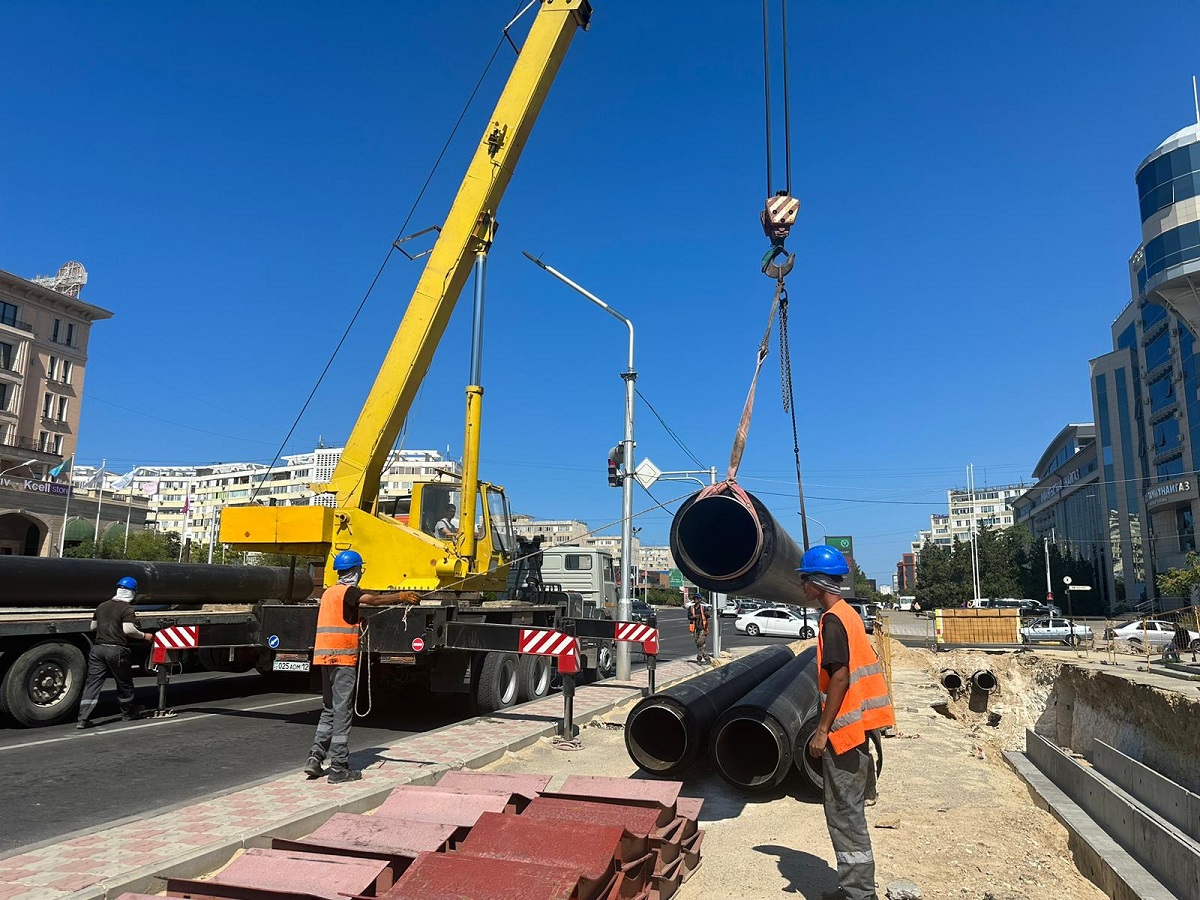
(720, 546)
(753, 741)
(666, 732)
(31, 581)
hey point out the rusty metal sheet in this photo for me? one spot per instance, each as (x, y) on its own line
(587, 849)
(454, 876)
(638, 822)
(448, 807)
(527, 786)
(664, 886)
(277, 874)
(396, 840)
(689, 807)
(605, 789)
(513, 802)
(691, 854)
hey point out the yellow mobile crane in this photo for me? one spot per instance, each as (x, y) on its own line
(410, 555)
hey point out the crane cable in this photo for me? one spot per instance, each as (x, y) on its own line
(777, 218)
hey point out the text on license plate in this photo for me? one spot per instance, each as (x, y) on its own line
(286, 665)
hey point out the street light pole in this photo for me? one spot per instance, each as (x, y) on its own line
(629, 376)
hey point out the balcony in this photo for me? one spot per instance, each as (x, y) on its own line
(14, 322)
(29, 445)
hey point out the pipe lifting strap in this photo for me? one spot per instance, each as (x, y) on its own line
(743, 429)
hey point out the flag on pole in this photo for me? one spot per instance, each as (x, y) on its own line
(150, 488)
(187, 500)
(97, 480)
(124, 481)
(61, 467)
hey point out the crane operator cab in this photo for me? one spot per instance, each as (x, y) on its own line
(436, 509)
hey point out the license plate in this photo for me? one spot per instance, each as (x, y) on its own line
(285, 665)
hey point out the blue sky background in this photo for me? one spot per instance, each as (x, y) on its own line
(232, 174)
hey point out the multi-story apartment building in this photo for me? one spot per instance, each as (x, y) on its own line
(553, 531)
(44, 332)
(968, 511)
(657, 559)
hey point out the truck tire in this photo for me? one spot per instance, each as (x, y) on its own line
(606, 660)
(216, 659)
(44, 684)
(533, 677)
(497, 684)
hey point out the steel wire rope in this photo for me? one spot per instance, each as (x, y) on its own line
(670, 431)
(387, 257)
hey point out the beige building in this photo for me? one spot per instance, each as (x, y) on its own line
(656, 559)
(44, 330)
(553, 531)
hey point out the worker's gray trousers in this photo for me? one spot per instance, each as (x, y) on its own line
(105, 660)
(333, 729)
(849, 780)
(701, 645)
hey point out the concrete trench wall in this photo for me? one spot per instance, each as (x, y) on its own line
(1160, 729)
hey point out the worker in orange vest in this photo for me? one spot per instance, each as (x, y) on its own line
(698, 626)
(336, 652)
(854, 702)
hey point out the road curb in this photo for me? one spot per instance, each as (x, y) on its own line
(152, 879)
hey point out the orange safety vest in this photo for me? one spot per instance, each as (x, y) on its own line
(866, 705)
(337, 639)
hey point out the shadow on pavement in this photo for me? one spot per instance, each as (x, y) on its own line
(807, 875)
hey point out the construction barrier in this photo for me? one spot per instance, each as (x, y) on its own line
(883, 646)
(1170, 639)
(977, 627)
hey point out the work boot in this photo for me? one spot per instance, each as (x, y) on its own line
(341, 776)
(313, 768)
(84, 723)
(134, 712)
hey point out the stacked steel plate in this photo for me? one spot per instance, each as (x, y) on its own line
(485, 837)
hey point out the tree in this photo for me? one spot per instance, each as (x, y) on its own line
(151, 546)
(862, 587)
(1181, 582)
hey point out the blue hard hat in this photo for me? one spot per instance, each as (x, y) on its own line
(347, 559)
(824, 560)
(127, 583)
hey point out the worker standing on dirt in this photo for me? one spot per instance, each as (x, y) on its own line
(114, 623)
(854, 698)
(698, 625)
(336, 651)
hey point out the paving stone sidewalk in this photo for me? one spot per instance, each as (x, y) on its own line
(127, 856)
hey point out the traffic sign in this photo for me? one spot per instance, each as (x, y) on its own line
(418, 644)
(1079, 587)
(1066, 579)
(676, 579)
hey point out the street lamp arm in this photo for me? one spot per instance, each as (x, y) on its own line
(28, 462)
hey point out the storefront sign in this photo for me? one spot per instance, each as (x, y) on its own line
(37, 487)
(1170, 491)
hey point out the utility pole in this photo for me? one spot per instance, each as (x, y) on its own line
(1049, 584)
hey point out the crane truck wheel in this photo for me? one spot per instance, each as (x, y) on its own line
(44, 684)
(497, 686)
(533, 677)
(216, 659)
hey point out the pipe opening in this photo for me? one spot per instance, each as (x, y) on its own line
(951, 680)
(719, 538)
(658, 739)
(748, 753)
(985, 681)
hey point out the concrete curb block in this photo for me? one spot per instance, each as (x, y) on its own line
(152, 879)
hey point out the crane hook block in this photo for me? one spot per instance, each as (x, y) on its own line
(779, 216)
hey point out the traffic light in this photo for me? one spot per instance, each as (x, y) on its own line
(614, 467)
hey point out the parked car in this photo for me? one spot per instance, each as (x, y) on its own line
(782, 622)
(643, 613)
(1058, 631)
(867, 612)
(1034, 610)
(1156, 633)
(743, 605)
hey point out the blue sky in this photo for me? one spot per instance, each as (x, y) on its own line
(232, 174)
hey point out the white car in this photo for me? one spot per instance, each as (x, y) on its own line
(1059, 631)
(785, 622)
(1155, 633)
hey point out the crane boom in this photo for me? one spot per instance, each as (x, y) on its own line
(402, 556)
(468, 227)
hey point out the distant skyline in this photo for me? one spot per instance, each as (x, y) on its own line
(232, 175)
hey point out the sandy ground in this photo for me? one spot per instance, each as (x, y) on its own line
(951, 817)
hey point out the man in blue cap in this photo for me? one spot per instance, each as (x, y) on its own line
(114, 623)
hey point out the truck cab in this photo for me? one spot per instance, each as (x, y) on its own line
(588, 571)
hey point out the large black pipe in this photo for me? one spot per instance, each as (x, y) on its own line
(753, 741)
(666, 732)
(720, 546)
(31, 581)
(810, 768)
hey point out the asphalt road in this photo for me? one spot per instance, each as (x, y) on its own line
(230, 730)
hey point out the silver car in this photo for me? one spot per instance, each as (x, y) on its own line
(1056, 631)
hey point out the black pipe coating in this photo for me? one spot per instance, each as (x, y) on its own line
(753, 742)
(666, 732)
(811, 768)
(718, 545)
(31, 581)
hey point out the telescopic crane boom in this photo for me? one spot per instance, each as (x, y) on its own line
(402, 555)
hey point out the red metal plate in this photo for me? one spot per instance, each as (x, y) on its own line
(663, 794)
(454, 876)
(527, 786)
(378, 835)
(275, 873)
(447, 807)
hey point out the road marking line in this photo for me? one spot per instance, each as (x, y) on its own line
(174, 721)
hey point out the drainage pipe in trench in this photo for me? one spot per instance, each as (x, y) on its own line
(753, 741)
(666, 732)
(951, 680)
(985, 680)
